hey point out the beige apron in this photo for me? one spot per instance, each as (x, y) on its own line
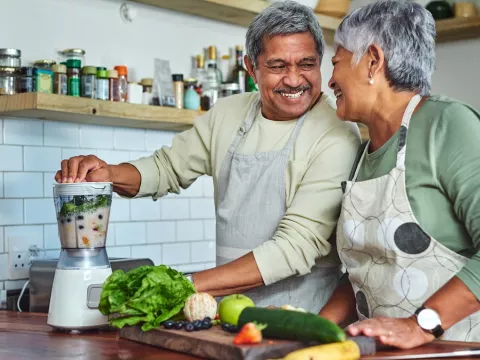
(251, 201)
(393, 264)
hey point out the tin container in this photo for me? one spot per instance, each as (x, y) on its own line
(10, 58)
(9, 80)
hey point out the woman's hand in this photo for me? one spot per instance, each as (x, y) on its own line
(401, 333)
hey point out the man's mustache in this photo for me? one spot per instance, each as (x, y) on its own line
(292, 90)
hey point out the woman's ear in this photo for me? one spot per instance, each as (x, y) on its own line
(376, 59)
(250, 67)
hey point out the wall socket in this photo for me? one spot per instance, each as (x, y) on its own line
(20, 257)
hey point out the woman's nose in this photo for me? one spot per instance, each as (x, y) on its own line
(331, 83)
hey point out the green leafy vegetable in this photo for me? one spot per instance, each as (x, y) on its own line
(83, 204)
(147, 295)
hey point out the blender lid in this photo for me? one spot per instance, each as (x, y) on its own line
(85, 188)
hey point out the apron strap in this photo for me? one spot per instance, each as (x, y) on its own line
(402, 139)
(358, 159)
(246, 125)
(294, 134)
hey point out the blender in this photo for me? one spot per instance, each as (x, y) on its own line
(83, 211)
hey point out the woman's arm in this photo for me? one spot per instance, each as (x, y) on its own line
(341, 308)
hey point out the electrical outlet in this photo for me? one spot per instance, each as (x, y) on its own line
(19, 257)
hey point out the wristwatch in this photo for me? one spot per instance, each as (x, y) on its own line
(429, 320)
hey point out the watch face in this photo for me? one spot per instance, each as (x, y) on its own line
(428, 319)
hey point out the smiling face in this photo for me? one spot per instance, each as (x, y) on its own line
(288, 75)
(350, 85)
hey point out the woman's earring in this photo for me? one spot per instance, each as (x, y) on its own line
(371, 82)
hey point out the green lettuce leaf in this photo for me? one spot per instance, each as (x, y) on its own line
(146, 295)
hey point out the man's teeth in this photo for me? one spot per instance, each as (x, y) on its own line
(293, 95)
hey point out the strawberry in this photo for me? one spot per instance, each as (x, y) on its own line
(250, 333)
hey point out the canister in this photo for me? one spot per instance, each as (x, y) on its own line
(10, 58)
(9, 78)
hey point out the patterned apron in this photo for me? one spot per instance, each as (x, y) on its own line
(393, 264)
(251, 201)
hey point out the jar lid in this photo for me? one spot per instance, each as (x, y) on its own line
(101, 68)
(239, 48)
(74, 63)
(102, 74)
(44, 62)
(73, 52)
(112, 74)
(89, 70)
(10, 52)
(59, 68)
(8, 70)
(147, 82)
(27, 70)
(177, 77)
(191, 81)
(122, 70)
(85, 188)
(230, 86)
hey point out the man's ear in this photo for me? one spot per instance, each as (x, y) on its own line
(250, 67)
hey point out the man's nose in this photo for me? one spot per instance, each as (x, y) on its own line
(293, 78)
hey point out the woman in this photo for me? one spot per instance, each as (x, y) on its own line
(409, 230)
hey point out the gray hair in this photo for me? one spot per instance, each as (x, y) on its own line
(406, 33)
(282, 18)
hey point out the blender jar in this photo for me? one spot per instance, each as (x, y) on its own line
(83, 212)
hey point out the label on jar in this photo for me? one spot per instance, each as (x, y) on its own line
(74, 86)
(102, 89)
(26, 84)
(64, 87)
(88, 86)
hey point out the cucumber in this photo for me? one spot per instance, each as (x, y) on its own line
(292, 325)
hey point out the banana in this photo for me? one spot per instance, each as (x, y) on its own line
(347, 350)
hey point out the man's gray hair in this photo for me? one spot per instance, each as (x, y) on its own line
(282, 18)
(406, 33)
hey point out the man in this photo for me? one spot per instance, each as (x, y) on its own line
(277, 159)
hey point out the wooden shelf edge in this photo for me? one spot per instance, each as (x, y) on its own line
(98, 112)
(457, 29)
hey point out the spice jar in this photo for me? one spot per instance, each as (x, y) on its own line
(44, 64)
(73, 54)
(43, 80)
(113, 90)
(8, 80)
(228, 89)
(88, 82)
(178, 90)
(147, 97)
(60, 79)
(134, 93)
(10, 58)
(73, 72)
(102, 84)
(27, 79)
(122, 82)
(191, 99)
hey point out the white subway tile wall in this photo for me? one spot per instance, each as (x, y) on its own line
(178, 230)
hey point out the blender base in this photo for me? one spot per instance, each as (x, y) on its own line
(74, 299)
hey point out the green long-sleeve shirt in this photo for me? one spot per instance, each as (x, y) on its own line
(442, 169)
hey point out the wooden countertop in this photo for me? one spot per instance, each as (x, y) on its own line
(27, 336)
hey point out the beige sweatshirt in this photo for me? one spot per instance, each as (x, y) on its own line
(320, 160)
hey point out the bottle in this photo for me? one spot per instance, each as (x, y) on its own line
(147, 96)
(199, 72)
(102, 90)
(213, 79)
(113, 88)
(73, 72)
(225, 68)
(60, 79)
(191, 99)
(239, 74)
(88, 82)
(178, 90)
(122, 82)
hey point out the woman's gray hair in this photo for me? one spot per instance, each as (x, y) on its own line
(282, 18)
(406, 33)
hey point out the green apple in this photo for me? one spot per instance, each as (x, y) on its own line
(231, 306)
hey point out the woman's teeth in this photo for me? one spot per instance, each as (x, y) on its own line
(292, 95)
(338, 95)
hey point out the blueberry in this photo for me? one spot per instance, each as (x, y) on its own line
(189, 327)
(198, 326)
(206, 324)
(168, 324)
(233, 329)
(197, 322)
(207, 319)
(226, 326)
(178, 326)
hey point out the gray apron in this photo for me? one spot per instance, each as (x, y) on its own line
(393, 264)
(251, 201)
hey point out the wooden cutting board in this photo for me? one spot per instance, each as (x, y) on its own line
(213, 343)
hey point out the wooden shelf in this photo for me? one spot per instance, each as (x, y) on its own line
(458, 29)
(98, 112)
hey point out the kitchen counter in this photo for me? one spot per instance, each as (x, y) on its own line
(27, 336)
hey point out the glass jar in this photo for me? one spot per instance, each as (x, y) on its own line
(73, 54)
(102, 84)
(27, 80)
(191, 99)
(113, 89)
(228, 89)
(10, 58)
(178, 90)
(43, 80)
(122, 82)
(73, 72)
(88, 82)
(147, 85)
(9, 77)
(60, 79)
(44, 64)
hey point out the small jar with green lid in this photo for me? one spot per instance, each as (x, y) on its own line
(73, 72)
(60, 79)
(89, 78)
(102, 84)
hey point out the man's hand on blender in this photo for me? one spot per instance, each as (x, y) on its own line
(125, 177)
